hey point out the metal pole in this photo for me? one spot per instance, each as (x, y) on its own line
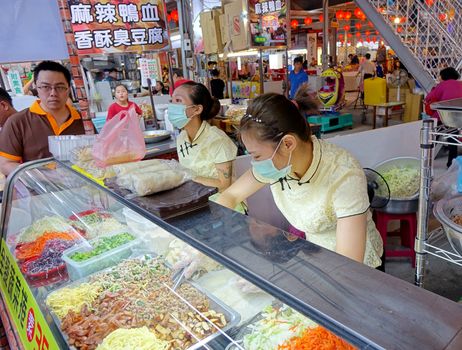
(156, 124)
(229, 83)
(170, 71)
(325, 35)
(286, 78)
(262, 89)
(426, 163)
(181, 22)
(345, 41)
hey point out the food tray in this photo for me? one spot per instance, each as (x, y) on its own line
(444, 210)
(186, 198)
(45, 278)
(153, 136)
(77, 270)
(450, 112)
(232, 317)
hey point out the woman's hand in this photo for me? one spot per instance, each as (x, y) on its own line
(239, 191)
(351, 236)
(225, 172)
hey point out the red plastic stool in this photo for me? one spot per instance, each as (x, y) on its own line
(407, 232)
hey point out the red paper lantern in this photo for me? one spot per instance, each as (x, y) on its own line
(358, 26)
(368, 32)
(340, 15)
(347, 15)
(308, 21)
(349, 35)
(174, 15)
(368, 39)
(340, 36)
(294, 23)
(370, 24)
(358, 13)
(403, 20)
(347, 27)
(374, 39)
(430, 2)
(443, 17)
(399, 30)
(321, 18)
(358, 34)
(377, 32)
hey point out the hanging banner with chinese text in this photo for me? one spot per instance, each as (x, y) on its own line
(114, 26)
(268, 22)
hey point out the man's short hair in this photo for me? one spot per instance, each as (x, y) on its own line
(54, 67)
(178, 72)
(298, 59)
(5, 96)
(368, 56)
(215, 72)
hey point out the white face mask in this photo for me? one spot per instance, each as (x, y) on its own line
(267, 169)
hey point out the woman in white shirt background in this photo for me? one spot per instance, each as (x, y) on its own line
(204, 149)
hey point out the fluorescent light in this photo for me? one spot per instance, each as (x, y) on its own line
(241, 53)
(298, 52)
(175, 37)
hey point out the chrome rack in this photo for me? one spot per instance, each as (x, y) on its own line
(423, 247)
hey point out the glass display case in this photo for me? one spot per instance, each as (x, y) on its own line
(85, 268)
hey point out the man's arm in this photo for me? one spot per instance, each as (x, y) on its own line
(7, 166)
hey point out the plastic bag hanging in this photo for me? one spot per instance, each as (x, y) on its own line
(120, 141)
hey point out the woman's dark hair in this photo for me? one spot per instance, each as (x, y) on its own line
(54, 67)
(355, 60)
(272, 116)
(305, 101)
(449, 74)
(161, 83)
(122, 86)
(200, 95)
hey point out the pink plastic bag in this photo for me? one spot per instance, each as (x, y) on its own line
(120, 141)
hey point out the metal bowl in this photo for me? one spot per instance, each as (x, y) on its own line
(400, 205)
(444, 211)
(153, 136)
(450, 112)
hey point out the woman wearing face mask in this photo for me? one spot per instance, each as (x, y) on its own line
(320, 188)
(203, 148)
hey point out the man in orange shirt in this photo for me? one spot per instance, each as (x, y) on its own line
(24, 136)
(6, 107)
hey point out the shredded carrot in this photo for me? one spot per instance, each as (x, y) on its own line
(34, 249)
(317, 338)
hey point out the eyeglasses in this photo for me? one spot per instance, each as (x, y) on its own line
(48, 88)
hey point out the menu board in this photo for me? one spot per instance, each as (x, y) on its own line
(112, 26)
(268, 22)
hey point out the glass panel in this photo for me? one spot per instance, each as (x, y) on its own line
(107, 278)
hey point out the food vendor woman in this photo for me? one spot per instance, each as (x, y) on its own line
(202, 148)
(320, 188)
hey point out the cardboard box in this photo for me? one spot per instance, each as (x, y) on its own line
(211, 32)
(414, 107)
(238, 29)
(393, 93)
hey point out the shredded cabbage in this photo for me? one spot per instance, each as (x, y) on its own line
(277, 326)
(403, 182)
(45, 224)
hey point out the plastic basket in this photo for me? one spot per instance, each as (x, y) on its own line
(61, 146)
